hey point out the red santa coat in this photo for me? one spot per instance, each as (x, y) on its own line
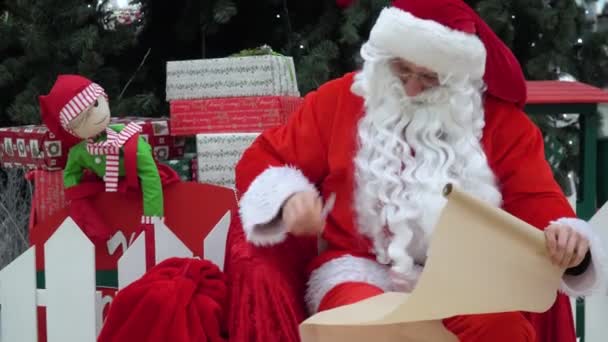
(316, 150)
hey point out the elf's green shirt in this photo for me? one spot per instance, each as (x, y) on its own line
(79, 159)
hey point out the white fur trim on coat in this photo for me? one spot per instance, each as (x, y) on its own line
(428, 43)
(261, 203)
(593, 280)
(342, 270)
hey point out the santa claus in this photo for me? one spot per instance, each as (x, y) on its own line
(439, 100)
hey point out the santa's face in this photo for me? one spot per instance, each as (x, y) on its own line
(93, 120)
(420, 131)
(415, 78)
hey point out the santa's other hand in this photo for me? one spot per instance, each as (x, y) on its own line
(567, 247)
(302, 213)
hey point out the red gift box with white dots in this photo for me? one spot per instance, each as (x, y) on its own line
(34, 147)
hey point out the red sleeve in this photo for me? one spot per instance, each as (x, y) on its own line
(285, 160)
(526, 180)
(300, 143)
(530, 192)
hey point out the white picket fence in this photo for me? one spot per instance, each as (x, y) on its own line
(73, 305)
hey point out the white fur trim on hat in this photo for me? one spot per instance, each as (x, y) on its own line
(428, 44)
(80, 103)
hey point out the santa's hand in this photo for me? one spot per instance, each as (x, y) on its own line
(302, 213)
(566, 246)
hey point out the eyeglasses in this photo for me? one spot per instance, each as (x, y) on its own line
(403, 72)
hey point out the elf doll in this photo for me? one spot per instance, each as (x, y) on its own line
(76, 110)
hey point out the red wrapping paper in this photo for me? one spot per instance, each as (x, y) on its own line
(48, 196)
(34, 147)
(228, 115)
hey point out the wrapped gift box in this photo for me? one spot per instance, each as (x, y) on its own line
(231, 77)
(31, 147)
(218, 155)
(157, 131)
(48, 195)
(185, 166)
(194, 165)
(34, 147)
(231, 114)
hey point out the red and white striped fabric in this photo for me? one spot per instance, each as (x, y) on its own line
(80, 103)
(111, 149)
(150, 219)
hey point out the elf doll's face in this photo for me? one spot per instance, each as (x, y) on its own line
(93, 120)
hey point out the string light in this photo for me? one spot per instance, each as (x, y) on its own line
(580, 40)
(533, 44)
(122, 3)
(278, 16)
(301, 46)
(513, 17)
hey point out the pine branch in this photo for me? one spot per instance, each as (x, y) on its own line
(6, 77)
(359, 19)
(315, 67)
(321, 28)
(143, 61)
(287, 21)
(223, 11)
(41, 39)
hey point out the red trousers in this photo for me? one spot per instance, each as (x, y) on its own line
(500, 327)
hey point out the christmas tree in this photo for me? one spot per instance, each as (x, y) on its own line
(180, 30)
(554, 40)
(323, 37)
(40, 39)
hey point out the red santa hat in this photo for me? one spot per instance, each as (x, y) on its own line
(447, 36)
(178, 300)
(69, 96)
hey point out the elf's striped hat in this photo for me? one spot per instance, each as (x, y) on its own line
(69, 97)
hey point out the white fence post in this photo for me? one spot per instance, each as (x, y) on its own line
(167, 244)
(18, 312)
(69, 267)
(132, 263)
(215, 242)
(74, 308)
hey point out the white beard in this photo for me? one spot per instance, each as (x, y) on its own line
(409, 149)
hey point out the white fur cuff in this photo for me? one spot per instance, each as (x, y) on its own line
(261, 203)
(343, 270)
(593, 280)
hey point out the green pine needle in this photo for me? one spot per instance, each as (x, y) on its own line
(223, 11)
